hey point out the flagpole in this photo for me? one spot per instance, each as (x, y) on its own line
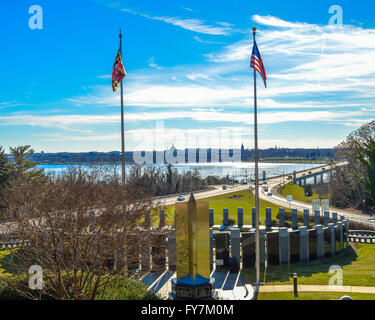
(122, 122)
(257, 242)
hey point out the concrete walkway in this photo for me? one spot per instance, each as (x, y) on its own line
(230, 286)
(317, 288)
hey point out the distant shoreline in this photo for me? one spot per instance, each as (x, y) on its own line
(129, 163)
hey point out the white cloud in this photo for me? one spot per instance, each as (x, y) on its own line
(207, 41)
(9, 104)
(152, 64)
(211, 115)
(223, 137)
(187, 9)
(105, 76)
(315, 59)
(195, 25)
(276, 22)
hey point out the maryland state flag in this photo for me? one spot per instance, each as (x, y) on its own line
(118, 72)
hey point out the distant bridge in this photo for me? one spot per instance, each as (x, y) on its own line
(301, 176)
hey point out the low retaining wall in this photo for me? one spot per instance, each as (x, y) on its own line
(362, 236)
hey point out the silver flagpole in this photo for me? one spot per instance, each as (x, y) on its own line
(122, 123)
(257, 243)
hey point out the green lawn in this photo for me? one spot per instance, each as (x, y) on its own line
(314, 296)
(357, 263)
(297, 192)
(246, 200)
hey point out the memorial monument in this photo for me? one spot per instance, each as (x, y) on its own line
(193, 279)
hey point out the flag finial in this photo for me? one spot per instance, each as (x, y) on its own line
(254, 29)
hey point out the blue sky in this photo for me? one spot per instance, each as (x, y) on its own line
(189, 81)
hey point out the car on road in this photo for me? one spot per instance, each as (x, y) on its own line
(323, 169)
(224, 188)
(269, 194)
(180, 198)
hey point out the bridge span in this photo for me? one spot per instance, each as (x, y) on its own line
(315, 173)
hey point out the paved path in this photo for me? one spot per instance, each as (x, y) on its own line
(317, 288)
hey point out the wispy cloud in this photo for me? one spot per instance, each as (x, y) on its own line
(187, 9)
(277, 22)
(314, 58)
(210, 115)
(194, 24)
(208, 41)
(9, 104)
(105, 76)
(152, 64)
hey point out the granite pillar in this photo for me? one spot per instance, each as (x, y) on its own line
(331, 227)
(306, 218)
(341, 235)
(326, 218)
(235, 244)
(281, 217)
(294, 246)
(304, 244)
(319, 242)
(312, 243)
(294, 219)
(334, 217)
(240, 217)
(222, 250)
(284, 245)
(248, 250)
(273, 252)
(225, 217)
(268, 218)
(211, 217)
(316, 217)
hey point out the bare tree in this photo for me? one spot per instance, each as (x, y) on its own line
(83, 228)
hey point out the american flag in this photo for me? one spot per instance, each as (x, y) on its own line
(257, 63)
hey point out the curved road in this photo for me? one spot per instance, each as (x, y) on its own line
(273, 184)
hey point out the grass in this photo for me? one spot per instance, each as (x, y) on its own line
(245, 200)
(7, 264)
(357, 263)
(314, 296)
(297, 192)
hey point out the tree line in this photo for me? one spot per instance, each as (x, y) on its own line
(353, 185)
